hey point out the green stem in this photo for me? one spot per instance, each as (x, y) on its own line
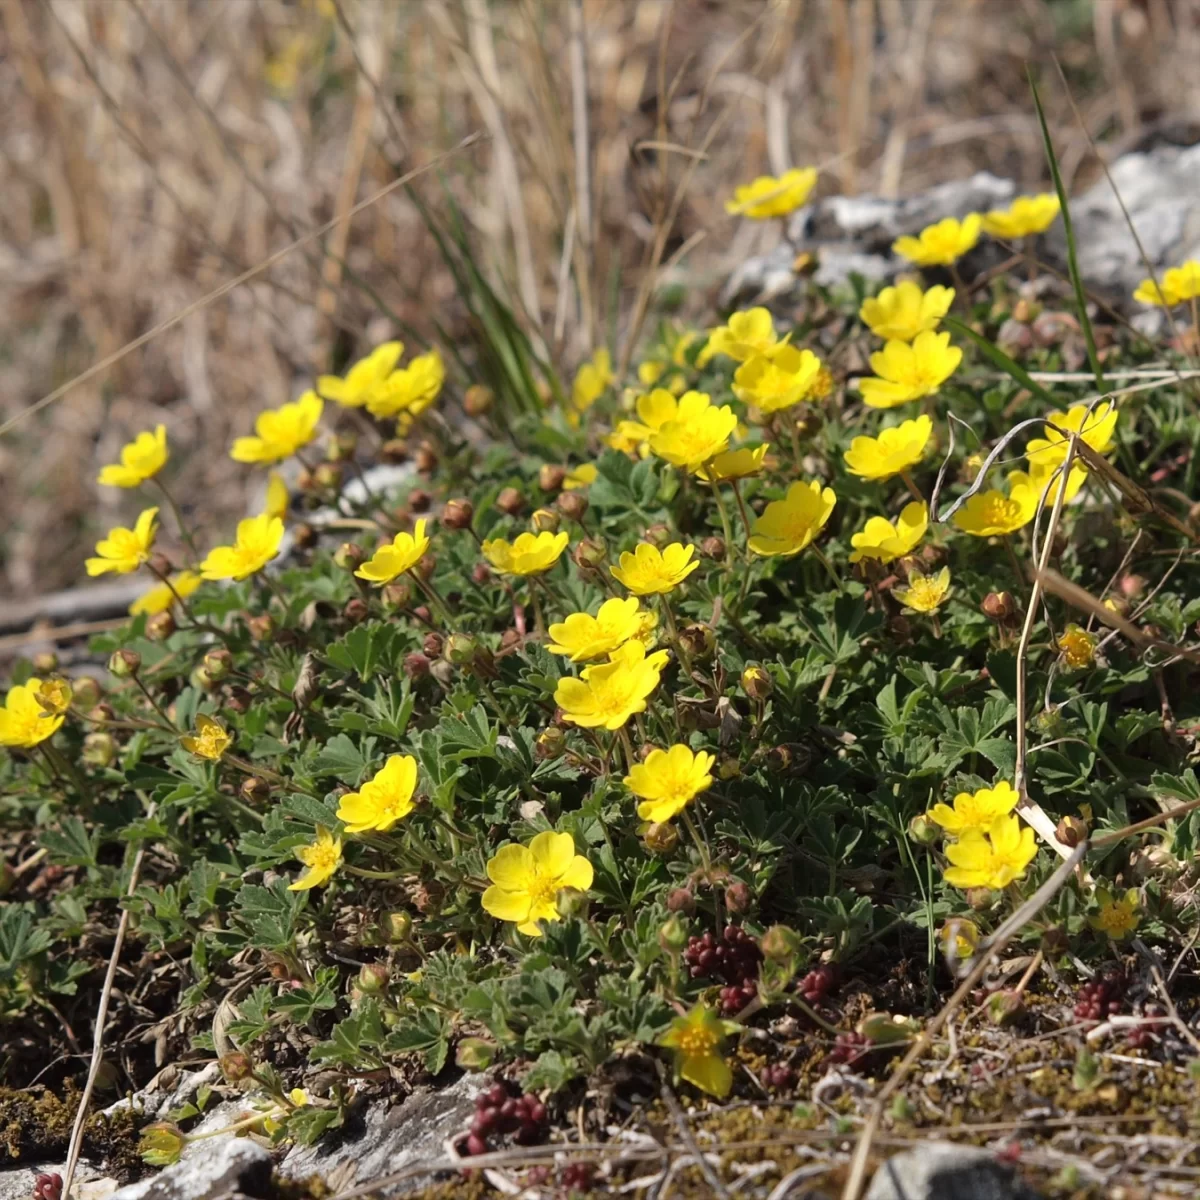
(837, 581)
(705, 860)
(725, 527)
(184, 532)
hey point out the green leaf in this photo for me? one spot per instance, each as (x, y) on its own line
(341, 757)
(1069, 230)
(306, 1125)
(552, 1071)
(1006, 364)
(71, 845)
(303, 1003)
(427, 1035)
(18, 939)
(354, 1039)
(364, 649)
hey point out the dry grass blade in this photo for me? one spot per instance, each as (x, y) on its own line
(311, 236)
(988, 951)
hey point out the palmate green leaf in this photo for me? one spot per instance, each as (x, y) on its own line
(269, 914)
(355, 1040)
(427, 1034)
(19, 940)
(365, 649)
(471, 735)
(306, 1125)
(303, 1003)
(340, 756)
(72, 844)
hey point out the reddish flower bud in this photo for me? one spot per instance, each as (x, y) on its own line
(714, 548)
(457, 514)
(477, 399)
(572, 505)
(550, 477)
(419, 500)
(357, 610)
(510, 501)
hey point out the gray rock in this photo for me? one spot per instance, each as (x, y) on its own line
(211, 1169)
(90, 1183)
(944, 1171)
(853, 234)
(390, 1139)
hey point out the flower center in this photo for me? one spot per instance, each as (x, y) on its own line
(543, 889)
(998, 510)
(323, 857)
(698, 1043)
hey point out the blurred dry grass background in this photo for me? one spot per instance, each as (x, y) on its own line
(153, 149)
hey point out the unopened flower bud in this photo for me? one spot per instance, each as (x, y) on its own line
(1070, 831)
(457, 514)
(511, 639)
(673, 934)
(397, 927)
(426, 459)
(235, 1066)
(239, 699)
(218, 663)
(460, 649)
(481, 573)
(510, 501)
(1132, 586)
(780, 758)
(161, 1143)
(979, 899)
(304, 535)
(589, 554)
(349, 556)
(738, 897)
(475, 1054)
(714, 548)
(572, 505)
(125, 664)
(357, 610)
(922, 830)
(999, 606)
(200, 678)
(571, 902)
(477, 399)
(45, 663)
(550, 477)
(101, 714)
(433, 644)
(551, 743)
(398, 594)
(416, 665)
(681, 900)
(394, 450)
(728, 767)
(780, 944)
(261, 627)
(419, 500)
(329, 475)
(661, 837)
(99, 749)
(85, 692)
(658, 534)
(699, 641)
(757, 682)
(160, 626)
(1005, 1006)
(373, 979)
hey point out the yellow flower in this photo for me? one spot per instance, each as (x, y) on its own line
(882, 540)
(1097, 428)
(526, 880)
(648, 571)
(410, 391)
(696, 1040)
(744, 335)
(393, 558)
(322, 857)
(975, 811)
(54, 696)
(582, 636)
(1117, 918)
(280, 432)
(899, 313)
(893, 451)
(141, 459)
(993, 860)
(940, 244)
(697, 433)
(925, 593)
(1045, 475)
(787, 526)
(669, 780)
(769, 197)
(960, 939)
(24, 721)
(629, 437)
(125, 550)
(362, 382)
(1026, 215)
(210, 740)
(581, 476)
(1178, 284)
(528, 554)
(608, 694)
(989, 513)
(382, 800)
(909, 372)
(160, 597)
(1078, 647)
(256, 543)
(775, 383)
(734, 464)
(591, 380)
(277, 496)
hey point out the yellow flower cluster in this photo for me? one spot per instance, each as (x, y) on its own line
(385, 389)
(1179, 284)
(991, 847)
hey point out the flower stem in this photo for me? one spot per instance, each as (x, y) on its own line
(725, 527)
(705, 859)
(837, 579)
(913, 490)
(184, 532)
(737, 494)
